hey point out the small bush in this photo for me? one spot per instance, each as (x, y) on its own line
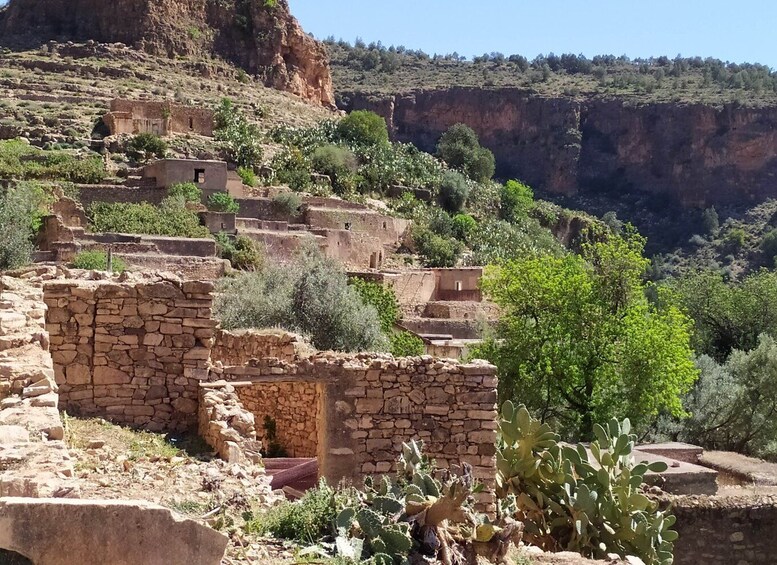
(306, 521)
(310, 296)
(147, 145)
(188, 191)
(286, 204)
(241, 252)
(338, 163)
(293, 168)
(20, 212)
(239, 138)
(406, 344)
(248, 176)
(223, 202)
(453, 191)
(97, 261)
(363, 127)
(769, 247)
(735, 239)
(710, 221)
(464, 226)
(460, 148)
(436, 251)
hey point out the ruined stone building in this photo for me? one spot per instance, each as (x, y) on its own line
(160, 118)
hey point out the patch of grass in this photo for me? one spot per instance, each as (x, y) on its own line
(97, 261)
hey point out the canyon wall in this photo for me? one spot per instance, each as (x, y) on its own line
(266, 41)
(695, 153)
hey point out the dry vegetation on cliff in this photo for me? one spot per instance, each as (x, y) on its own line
(379, 69)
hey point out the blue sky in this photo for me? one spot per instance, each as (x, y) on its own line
(742, 31)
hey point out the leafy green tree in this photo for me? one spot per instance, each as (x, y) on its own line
(436, 251)
(464, 226)
(728, 316)
(497, 241)
(579, 342)
(516, 200)
(339, 163)
(363, 127)
(169, 218)
(460, 148)
(240, 138)
(453, 191)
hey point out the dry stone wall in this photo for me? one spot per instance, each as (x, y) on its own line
(370, 404)
(725, 530)
(287, 410)
(131, 351)
(226, 426)
(238, 347)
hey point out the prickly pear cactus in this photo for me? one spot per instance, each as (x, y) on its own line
(569, 501)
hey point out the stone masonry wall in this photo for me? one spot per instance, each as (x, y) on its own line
(226, 426)
(238, 347)
(293, 406)
(371, 404)
(132, 352)
(725, 530)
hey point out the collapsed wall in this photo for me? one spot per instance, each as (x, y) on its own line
(367, 405)
(131, 351)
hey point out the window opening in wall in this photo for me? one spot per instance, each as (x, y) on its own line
(384, 225)
(199, 176)
(223, 226)
(348, 226)
(191, 123)
(459, 286)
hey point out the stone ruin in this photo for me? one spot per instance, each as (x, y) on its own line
(158, 117)
(144, 351)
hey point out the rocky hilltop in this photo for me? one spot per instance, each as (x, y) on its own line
(260, 36)
(697, 153)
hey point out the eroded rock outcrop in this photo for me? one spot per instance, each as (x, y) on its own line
(265, 40)
(699, 154)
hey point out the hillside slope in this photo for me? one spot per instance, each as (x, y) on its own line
(260, 37)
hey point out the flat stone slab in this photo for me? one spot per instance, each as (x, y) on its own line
(681, 477)
(13, 434)
(98, 532)
(758, 472)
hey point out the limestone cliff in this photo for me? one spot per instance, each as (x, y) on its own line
(265, 40)
(696, 153)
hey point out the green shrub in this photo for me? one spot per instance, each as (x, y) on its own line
(516, 200)
(310, 296)
(495, 242)
(293, 168)
(306, 521)
(20, 212)
(222, 202)
(188, 191)
(338, 163)
(454, 191)
(710, 221)
(171, 218)
(381, 298)
(286, 204)
(406, 344)
(248, 176)
(769, 247)
(363, 127)
(460, 148)
(97, 261)
(464, 226)
(735, 238)
(436, 251)
(568, 501)
(241, 252)
(144, 146)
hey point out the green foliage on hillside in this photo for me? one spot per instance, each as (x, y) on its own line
(377, 68)
(188, 191)
(222, 202)
(21, 161)
(241, 252)
(578, 341)
(363, 128)
(239, 137)
(170, 218)
(310, 296)
(146, 146)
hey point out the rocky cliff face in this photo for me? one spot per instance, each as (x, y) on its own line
(698, 154)
(266, 41)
